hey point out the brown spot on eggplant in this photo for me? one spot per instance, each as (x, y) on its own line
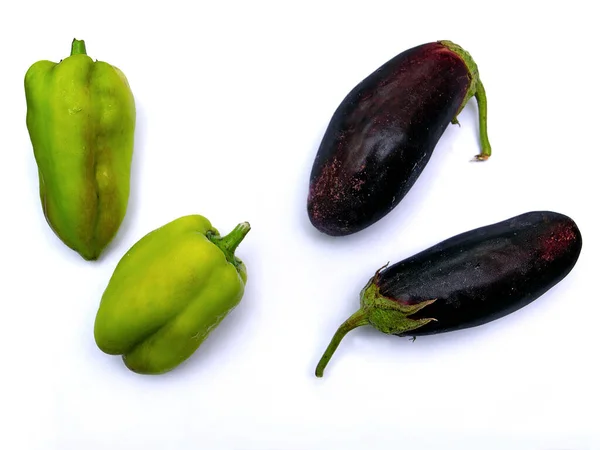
(384, 132)
(468, 280)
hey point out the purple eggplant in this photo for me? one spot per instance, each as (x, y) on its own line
(468, 280)
(383, 133)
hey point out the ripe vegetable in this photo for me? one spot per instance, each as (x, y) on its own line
(383, 133)
(81, 121)
(168, 292)
(468, 280)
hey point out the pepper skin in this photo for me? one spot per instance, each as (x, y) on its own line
(168, 292)
(81, 122)
(468, 280)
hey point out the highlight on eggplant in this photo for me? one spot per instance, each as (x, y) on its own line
(468, 280)
(384, 132)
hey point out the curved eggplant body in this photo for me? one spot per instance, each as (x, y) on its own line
(383, 134)
(468, 280)
(484, 274)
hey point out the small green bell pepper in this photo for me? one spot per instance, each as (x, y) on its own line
(81, 122)
(168, 292)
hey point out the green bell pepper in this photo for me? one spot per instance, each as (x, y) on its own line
(168, 292)
(81, 122)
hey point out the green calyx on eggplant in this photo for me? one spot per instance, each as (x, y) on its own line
(468, 280)
(384, 132)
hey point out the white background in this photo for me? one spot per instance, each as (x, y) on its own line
(232, 101)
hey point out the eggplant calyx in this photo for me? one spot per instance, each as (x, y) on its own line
(390, 316)
(475, 89)
(471, 68)
(384, 314)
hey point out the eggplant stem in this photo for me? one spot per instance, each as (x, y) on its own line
(358, 319)
(486, 148)
(475, 89)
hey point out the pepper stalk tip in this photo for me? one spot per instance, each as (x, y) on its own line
(78, 47)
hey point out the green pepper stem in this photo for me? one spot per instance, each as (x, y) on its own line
(486, 148)
(358, 319)
(78, 47)
(229, 243)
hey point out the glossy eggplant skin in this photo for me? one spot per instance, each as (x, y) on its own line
(485, 274)
(382, 135)
(468, 280)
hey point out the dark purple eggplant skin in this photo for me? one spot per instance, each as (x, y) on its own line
(485, 274)
(382, 136)
(468, 280)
